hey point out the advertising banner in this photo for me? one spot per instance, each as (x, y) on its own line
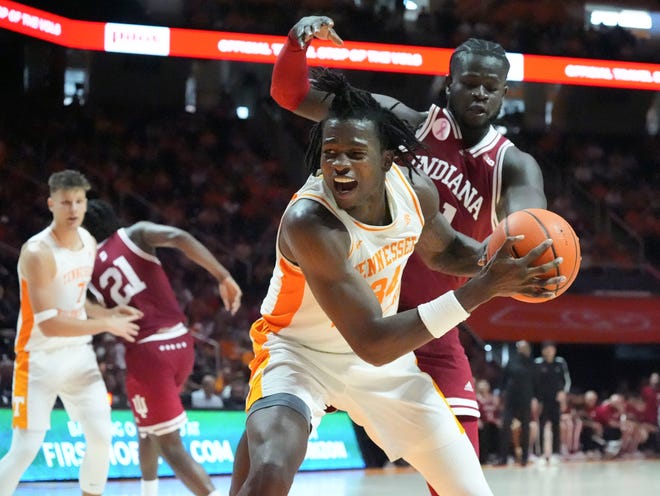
(211, 438)
(571, 319)
(260, 48)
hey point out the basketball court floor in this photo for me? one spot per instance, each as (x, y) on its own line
(611, 478)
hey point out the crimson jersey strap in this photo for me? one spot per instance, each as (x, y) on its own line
(290, 84)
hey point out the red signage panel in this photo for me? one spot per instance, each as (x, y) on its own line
(570, 319)
(245, 47)
(592, 72)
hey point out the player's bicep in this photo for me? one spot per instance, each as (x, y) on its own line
(38, 268)
(315, 105)
(522, 183)
(401, 110)
(158, 235)
(321, 252)
(437, 234)
(440, 246)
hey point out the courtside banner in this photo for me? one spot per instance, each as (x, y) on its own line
(211, 438)
(244, 47)
(570, 319)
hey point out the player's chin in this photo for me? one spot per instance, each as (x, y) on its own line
(476, 120)
(346, 198)
(346, 201)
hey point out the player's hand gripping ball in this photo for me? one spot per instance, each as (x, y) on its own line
(538, 224)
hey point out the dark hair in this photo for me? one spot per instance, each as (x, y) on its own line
(67, 179)
(353, 103)
(100, 219)
(478, 46)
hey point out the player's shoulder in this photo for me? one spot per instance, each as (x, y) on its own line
(515, 157)
(307, 214)
(35, 248)
(36, 256)
(426, 191)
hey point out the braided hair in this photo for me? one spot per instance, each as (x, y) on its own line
(478, 46)
(353, 103)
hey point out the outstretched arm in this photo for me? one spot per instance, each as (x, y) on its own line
(317, 242)
(163, 236)
(290, 85)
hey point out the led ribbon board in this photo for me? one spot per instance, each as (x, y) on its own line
(200, 44)
(210, 436)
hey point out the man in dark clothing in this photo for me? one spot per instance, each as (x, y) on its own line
(552, 382)
(517, 391)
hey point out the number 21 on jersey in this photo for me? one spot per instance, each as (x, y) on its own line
(122, 281)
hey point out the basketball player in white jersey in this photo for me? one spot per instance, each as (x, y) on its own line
(330, 333)
(480, 175)
(54, 354)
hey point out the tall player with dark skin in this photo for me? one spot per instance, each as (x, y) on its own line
(127, 268)
(480, 175)
(330, 333)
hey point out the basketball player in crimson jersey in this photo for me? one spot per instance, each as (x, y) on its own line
(127, 270)
(480, 175)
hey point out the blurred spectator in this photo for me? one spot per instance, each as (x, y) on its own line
(490, 422)
(610, 414)
(206, 396)
(570, 426)
(6, 375)
(110, 354)
(233, 394)
(651, 415)
(591, 436)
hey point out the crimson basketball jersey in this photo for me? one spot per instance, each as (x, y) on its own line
(124, 274)
(468, 182)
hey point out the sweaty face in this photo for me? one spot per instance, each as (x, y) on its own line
(68, 207)
(354, 167)
(476, 90)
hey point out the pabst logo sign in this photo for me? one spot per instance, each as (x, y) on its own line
(133, 38)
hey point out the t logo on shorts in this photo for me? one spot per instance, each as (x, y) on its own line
(17, 402)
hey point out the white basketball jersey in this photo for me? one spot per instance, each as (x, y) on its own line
(378, 253)
(74, 271)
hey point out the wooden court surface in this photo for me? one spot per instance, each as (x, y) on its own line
(611, 478)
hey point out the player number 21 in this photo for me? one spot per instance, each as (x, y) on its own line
(120, 292)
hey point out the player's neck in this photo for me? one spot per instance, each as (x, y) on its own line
(67, 237)
(472, 137)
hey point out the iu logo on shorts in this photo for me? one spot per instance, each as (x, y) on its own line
(140, 405)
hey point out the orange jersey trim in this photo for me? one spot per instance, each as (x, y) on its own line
(27, 318)
(20, 390)
(411, 192)
(289, 297)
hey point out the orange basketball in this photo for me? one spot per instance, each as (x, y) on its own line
(538, 224)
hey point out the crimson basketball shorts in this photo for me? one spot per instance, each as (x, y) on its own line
(156, 371)
(445, 361)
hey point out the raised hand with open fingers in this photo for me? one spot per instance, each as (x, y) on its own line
(309, 27)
